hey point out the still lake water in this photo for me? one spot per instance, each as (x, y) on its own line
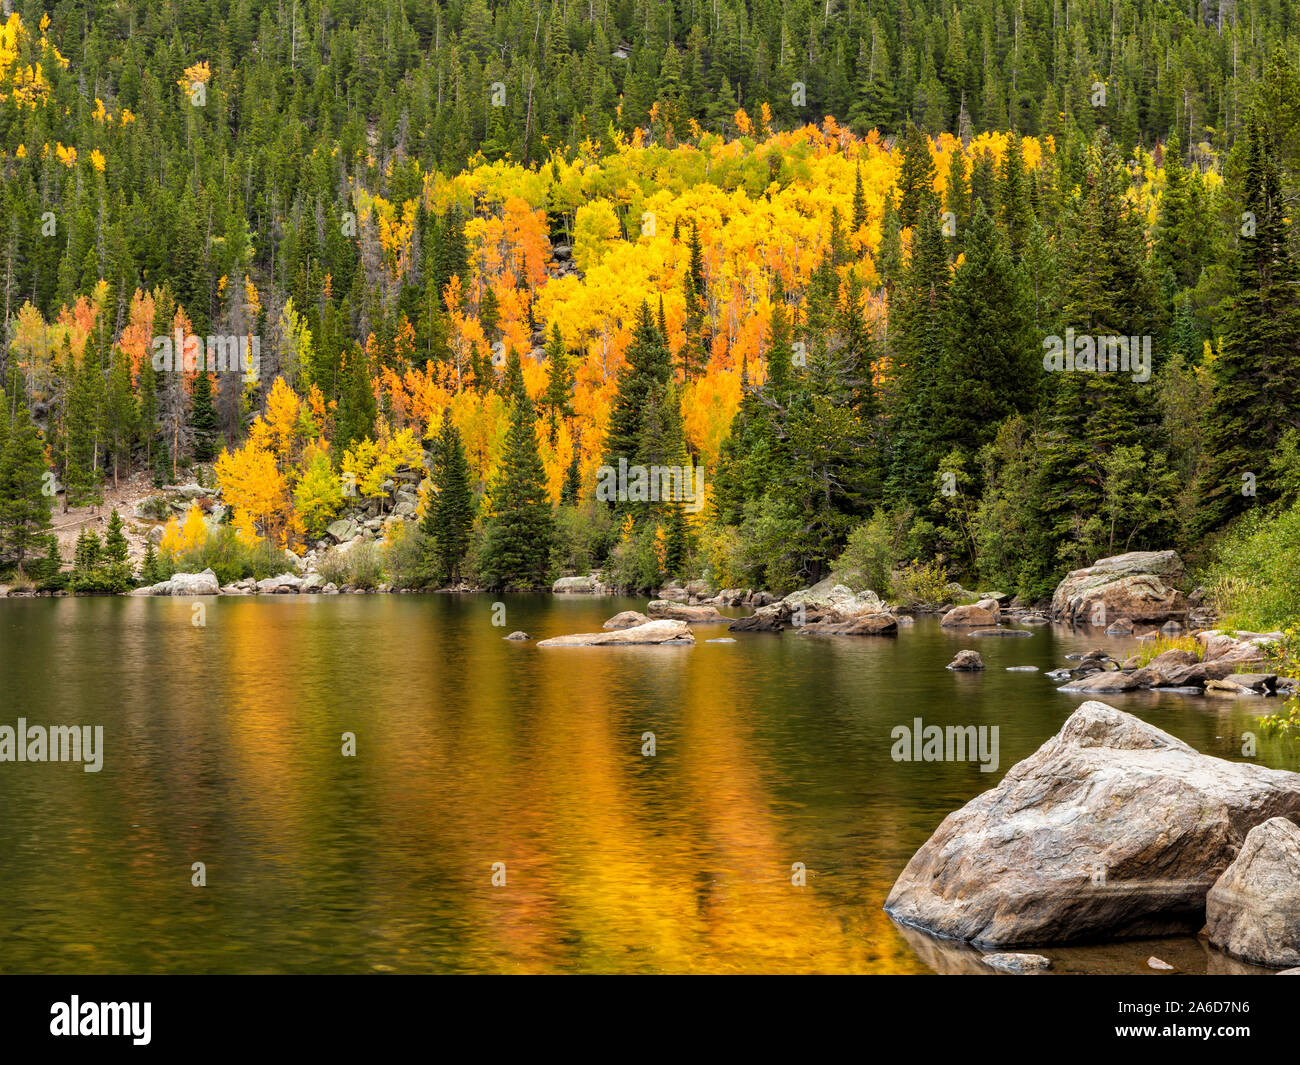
(222, 746)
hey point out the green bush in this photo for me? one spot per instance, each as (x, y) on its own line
(871, 549)
(406, 557)
(229, 558)
(634, 564)
(920, 584)
(1255, 578)
(361, 565)
(584, 536)
(366, 562)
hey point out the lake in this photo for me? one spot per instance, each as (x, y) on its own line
(223, 745)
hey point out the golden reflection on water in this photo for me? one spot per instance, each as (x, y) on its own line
(224, 747)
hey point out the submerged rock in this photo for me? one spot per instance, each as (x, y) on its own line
(1104, 681)
(1017, 963)
(1000, 632)
(1253, 909)
(1111, 828)
(517, 636)
(652, 632)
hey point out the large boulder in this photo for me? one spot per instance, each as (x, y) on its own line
(837, 592)
(972, 616)
(1253, 910)
(660, 632)
(1103, 681)
(589, 585)
(699, 615)
(204, 583)
(1112, 828)
(625, 619)
(284, 584)
(1139, 586)
(877, 623)
(769, 618)
(342, 530)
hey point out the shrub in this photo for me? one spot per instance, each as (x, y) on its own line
(332, 565)
(1285, 660)
(871, 549)
(229, 557)
(634, 564)
(584, 535)
(406, 556)
(361, 565)
(920, 584)
(366, 562)
(1151, 648)
(1255, 578)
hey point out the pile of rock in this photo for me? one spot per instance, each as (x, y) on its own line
(206, 583)
(588, 585)
(831, 607)
(1233, 664)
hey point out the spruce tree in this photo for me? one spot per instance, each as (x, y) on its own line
(916, 177)
(520, 528)
(990, 367)
(203, 418)
(24, 502)
(1257, 374)
(449, 517)
(559, 382)
(647, 369)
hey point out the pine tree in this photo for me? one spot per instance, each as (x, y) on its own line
(1257, 374)
(115, 546)
(357, 409)
(1013, 199)
(916, 177)
(150, 569)
(989, 369)
(647, 369)
(87, 552)
(450, 515)
(121, 413)
(559, 381)
(24, 504)
(203, 418)
(519, 532)
(919, 343)
(81, 474)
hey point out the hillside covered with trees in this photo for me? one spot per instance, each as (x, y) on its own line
(816, 252)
